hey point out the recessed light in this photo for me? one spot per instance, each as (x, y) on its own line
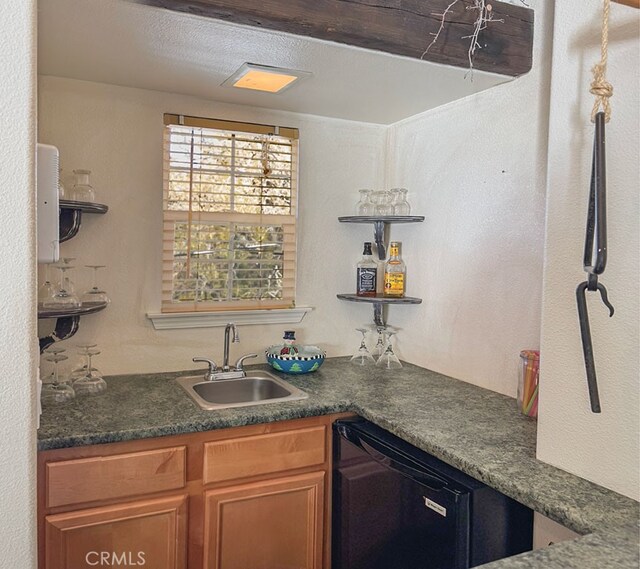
(264, 78)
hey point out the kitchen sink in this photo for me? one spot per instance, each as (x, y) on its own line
(257, 388)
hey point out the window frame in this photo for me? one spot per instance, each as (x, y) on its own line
(171, 217)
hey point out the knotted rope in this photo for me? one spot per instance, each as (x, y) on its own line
(600, 87)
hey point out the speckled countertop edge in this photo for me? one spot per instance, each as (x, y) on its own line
(474, 429)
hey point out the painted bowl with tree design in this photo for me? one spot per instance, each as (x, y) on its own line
(308, 359)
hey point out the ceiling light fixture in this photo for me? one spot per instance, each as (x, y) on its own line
(264, 78)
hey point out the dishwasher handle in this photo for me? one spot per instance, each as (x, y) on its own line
(398, 462)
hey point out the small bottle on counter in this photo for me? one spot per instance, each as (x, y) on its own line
(367, 273)
(289, 348)
(394, 273)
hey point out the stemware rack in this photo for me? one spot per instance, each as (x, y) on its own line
(68, 319)
(71, 216)
(380, 231)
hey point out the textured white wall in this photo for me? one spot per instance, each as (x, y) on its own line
(18, 352)
(603, 448)
(476, 169)
(117, 133)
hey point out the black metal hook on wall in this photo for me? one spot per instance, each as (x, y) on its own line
(595, 256)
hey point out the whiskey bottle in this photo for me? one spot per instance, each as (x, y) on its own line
(394, 272)
(367, 273)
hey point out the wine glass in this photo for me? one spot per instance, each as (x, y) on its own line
(62, 298)
(46, 289)
(80, 366)
(69, 285)
(54, 390)
(91, 383)
(362, 357)
(95, 294)
(388, 359)
(378, 349)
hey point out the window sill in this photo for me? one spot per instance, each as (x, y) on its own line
(180, 320)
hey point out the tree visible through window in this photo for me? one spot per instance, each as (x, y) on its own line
(229, 215)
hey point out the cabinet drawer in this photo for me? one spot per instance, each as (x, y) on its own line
(100, 478)
(263, 454)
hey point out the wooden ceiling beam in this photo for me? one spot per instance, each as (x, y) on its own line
(400, 27)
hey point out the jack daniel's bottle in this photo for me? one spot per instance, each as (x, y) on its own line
(394, 272)
(367, 273)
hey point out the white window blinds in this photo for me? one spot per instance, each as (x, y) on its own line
(229, 233)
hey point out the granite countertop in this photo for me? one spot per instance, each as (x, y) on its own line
(473, 429)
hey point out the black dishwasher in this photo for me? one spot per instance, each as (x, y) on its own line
(397, 507)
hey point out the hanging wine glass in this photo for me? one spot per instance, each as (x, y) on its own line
(95, 294)
(378, 349)
(388, 359)
(362, 357)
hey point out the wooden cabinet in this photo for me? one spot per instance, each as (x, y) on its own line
(252, 497)
(149, 533)
(266, 524)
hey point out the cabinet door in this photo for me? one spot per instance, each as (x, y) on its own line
(149, 533)
(275, 523)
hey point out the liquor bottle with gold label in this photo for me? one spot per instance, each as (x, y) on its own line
(394, 273)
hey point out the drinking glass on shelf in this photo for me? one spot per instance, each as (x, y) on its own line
(62, 298)
(46, 289)
(382, 201)
(62, 191)
(362, 357)
(95, 294)
(388, 359)
(82, 190)
(53, 389)
(400, 204)
(364, 206)
(91, 383)
(69, 285)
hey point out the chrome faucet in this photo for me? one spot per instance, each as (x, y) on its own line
(226, 372)
(236, 338)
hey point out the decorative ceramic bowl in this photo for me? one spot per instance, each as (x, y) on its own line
(308, 359)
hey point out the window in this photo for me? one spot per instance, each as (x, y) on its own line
(229, 232)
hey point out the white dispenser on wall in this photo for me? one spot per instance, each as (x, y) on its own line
(47, 203)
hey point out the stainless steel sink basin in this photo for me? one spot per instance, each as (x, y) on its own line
(257, 388)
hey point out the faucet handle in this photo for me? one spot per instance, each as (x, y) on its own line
(240, 363)
(213, 366)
